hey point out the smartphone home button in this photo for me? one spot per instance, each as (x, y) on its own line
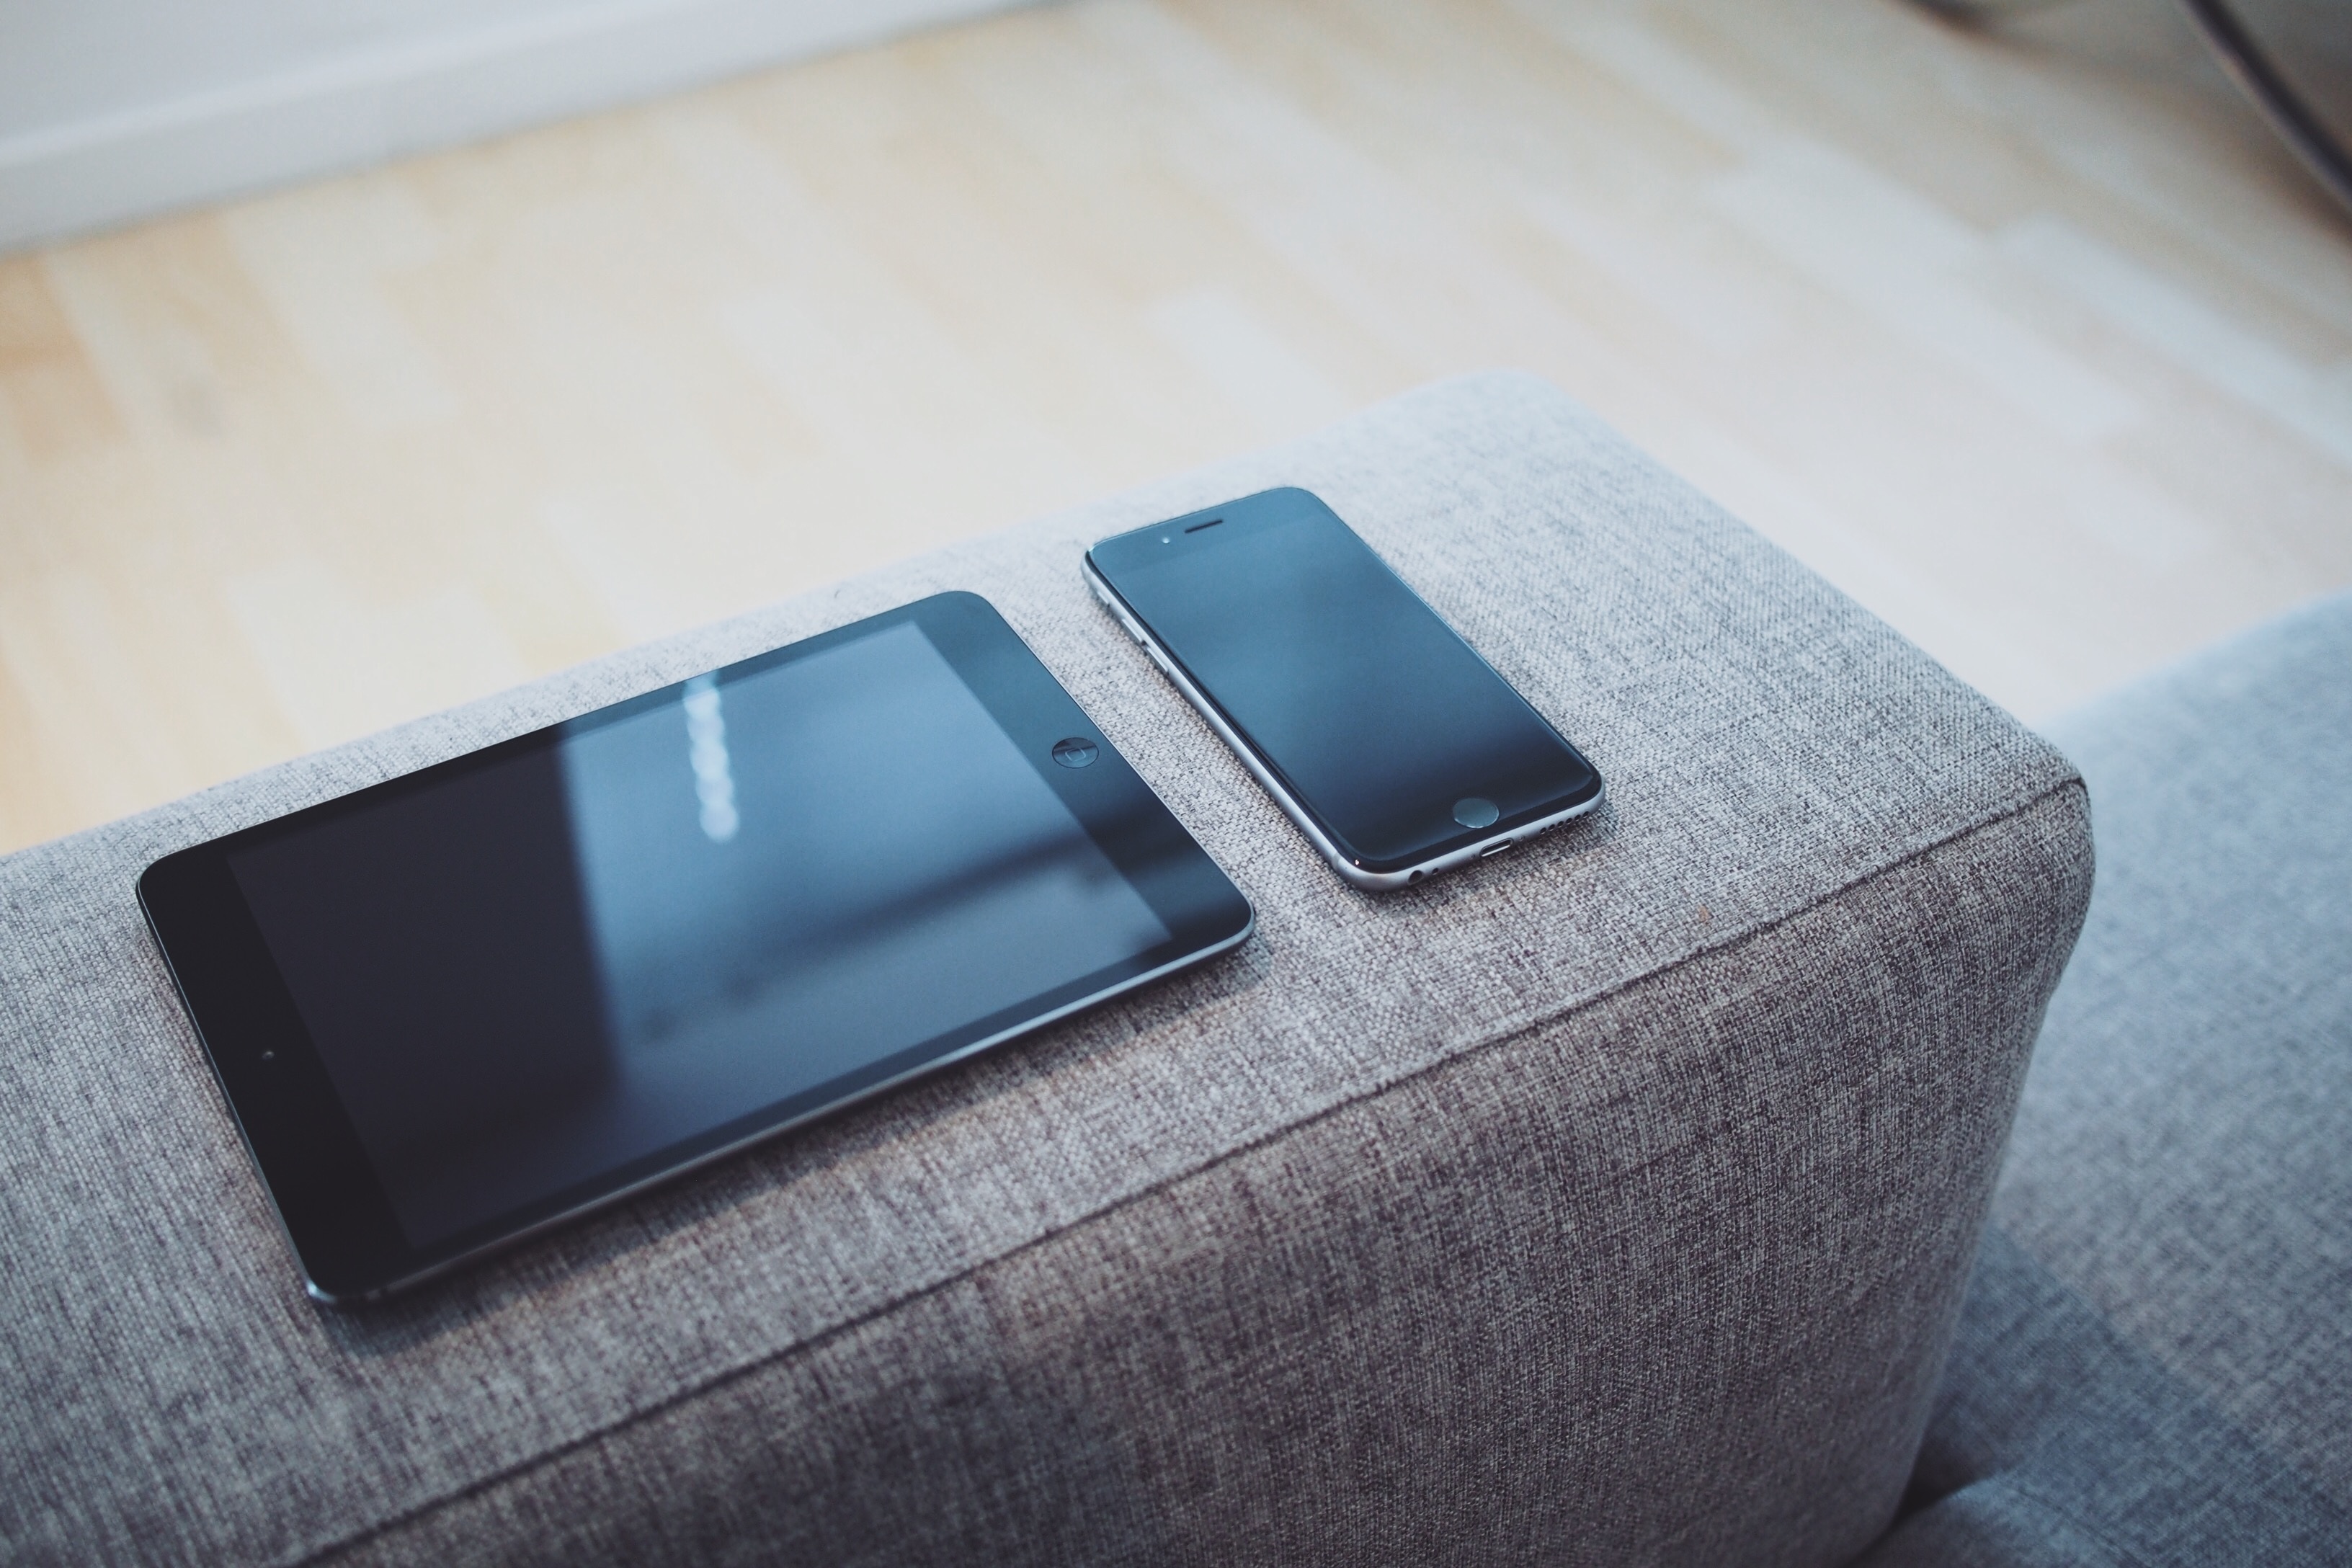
(1075, 752)
(1473, 812)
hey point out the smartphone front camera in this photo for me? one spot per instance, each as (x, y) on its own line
(1167, 539)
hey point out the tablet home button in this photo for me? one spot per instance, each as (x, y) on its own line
(1473, 812)
(1075, 752)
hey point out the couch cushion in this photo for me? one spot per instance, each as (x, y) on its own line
(2156, 1361)
(1611, 1201)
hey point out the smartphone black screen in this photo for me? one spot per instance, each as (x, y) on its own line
(1390, 731)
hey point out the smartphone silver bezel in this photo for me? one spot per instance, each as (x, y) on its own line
(1355, 876)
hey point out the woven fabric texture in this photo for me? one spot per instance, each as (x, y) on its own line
(1608, 1203)
(2156, 1361)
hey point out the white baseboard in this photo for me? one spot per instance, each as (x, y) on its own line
(387, 100)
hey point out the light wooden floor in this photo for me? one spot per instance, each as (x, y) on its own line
(2030, 340)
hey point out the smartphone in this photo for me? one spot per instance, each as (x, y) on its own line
(1397, 750)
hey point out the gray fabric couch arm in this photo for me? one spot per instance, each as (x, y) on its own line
(2154, 1365)
(1609, 1202)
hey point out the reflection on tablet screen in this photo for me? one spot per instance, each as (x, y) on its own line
(674, 915)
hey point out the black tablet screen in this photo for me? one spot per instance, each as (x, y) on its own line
(585, 952)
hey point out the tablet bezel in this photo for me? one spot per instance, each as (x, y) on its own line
(336, 1216)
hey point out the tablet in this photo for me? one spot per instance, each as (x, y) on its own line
(463, 1004)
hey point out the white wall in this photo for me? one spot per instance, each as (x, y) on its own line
(114, 109)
